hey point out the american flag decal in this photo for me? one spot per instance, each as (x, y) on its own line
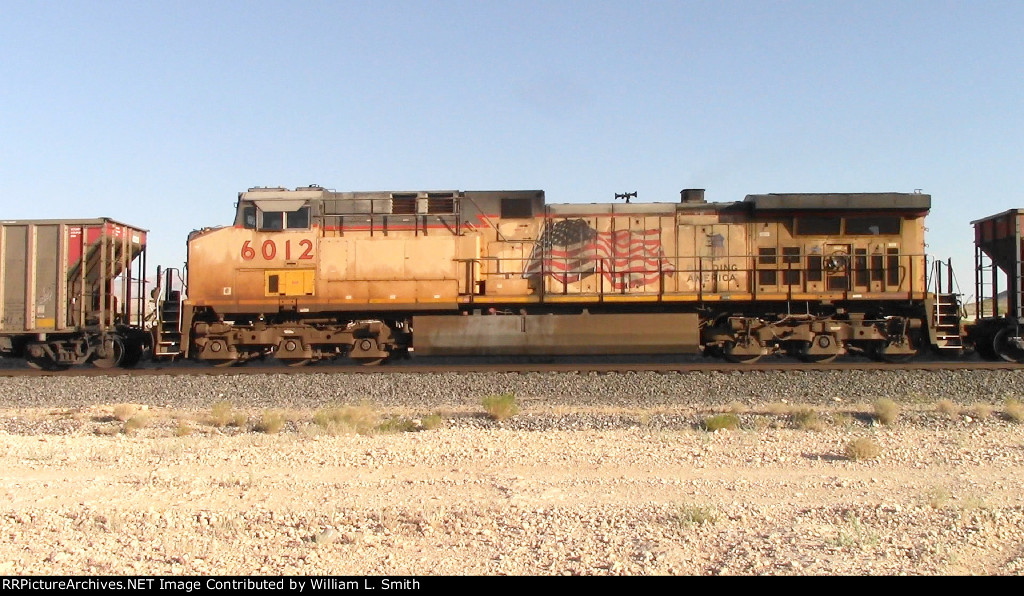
(571, 250)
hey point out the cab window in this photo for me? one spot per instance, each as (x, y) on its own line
(249, 217)
(272, 220)
(298, 220)
(282, 220)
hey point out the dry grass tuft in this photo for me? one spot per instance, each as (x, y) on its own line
(721, 421)
(135, 423)
(693, 515)
(183, 429)
(123, 412)
(981, 410)
(397, 424)
(938, 497)
(807, 418)
(220, 414)
(270, 423)
(431, 422)
(862, 449)
(737, 407)
(778, 409)
(1013, 410)
(947, 407)
(843, 419)
(361, 420)
(887, 411)
(501, 407)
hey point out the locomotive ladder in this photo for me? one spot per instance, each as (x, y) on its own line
(167, 336)
(946, 311)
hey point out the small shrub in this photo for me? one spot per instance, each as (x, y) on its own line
(947, 407)
(862, 449)
(239, 419)
(694, 515)
(397, 424)
(854, 534)
(348, 419)
(500, 407)
(1013, 410)
(981, 410)
(938, 497)
(183, 429)
(270, 423)
(135, 423)
(220, 414)
(124, 411)
(972, 503)
(807, 418)
(886, 411)
(431, 422)
(720, 421)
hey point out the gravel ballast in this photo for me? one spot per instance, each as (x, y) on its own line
(429, 391)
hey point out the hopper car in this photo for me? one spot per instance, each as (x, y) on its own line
(72, 291)
(996, 331)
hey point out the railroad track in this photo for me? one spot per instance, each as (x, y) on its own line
(433, 367)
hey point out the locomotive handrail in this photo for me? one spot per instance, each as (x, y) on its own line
(901, 280)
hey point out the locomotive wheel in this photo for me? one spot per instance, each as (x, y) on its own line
(818, 358)
(804, 356)
(897, 358)
(741, 358)
(1006, 348)
(115, 353)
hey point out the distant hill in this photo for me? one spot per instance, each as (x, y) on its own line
(1002, 301)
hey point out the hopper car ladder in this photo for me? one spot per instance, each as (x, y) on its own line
(167, 331)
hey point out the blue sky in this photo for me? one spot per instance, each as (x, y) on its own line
(158, 113)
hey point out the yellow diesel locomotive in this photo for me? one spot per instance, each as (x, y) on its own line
(311, 273)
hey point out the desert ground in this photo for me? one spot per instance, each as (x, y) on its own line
(123, 488)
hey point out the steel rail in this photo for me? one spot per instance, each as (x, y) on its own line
(413, 367)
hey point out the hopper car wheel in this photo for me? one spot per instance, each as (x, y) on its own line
(296, 361)
(115, 353)
(986, 348)
(132, 355)
(44, 363)
(1006, 347)
(369, 361)
(732, 356)
(228, 363)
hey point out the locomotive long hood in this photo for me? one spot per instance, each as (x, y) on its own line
(897, 201)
